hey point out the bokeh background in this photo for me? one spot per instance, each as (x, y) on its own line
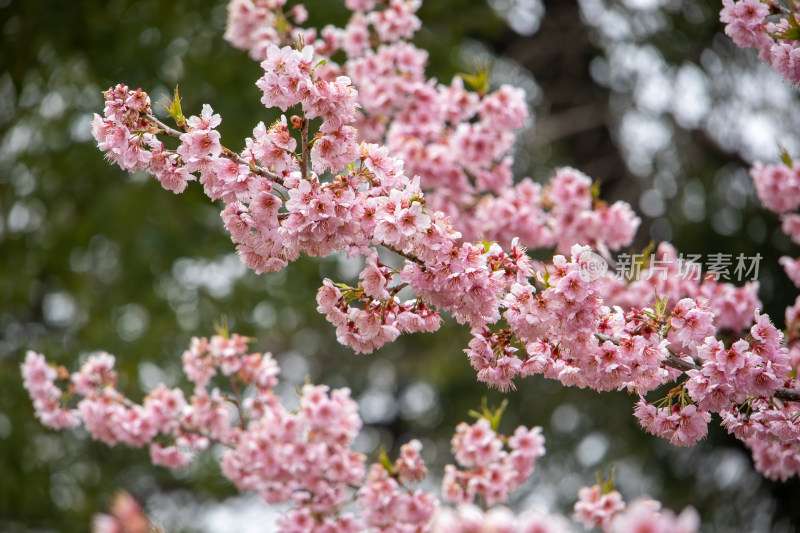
(645, 95)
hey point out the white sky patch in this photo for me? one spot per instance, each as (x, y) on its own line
(241, 514)
(59, 309)
(691, 102)
(217, 276)
(523, 16)
(644, 5)
(641, 137)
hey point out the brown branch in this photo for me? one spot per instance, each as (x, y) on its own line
(674, 361)
(238, 402)
(602, 337)
(787, 395)
(776, 8)
(400, 287)
(164, 128)
(304, 148)
(410, 257)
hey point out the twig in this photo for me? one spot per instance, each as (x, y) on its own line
(238, 401)
(166, 129)
(602, 337)
(405, 255)
(398, 288)
(304, 148)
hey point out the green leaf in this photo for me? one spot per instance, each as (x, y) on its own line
(384, 460)
(493, 415)
(595, 189)
(474, 414)
(497, 414)
(660, 304)
(546, 277)
(478, 80)
(174, 109)
(785, 157)
(792, 33)
(221, 327)
(606, 486)
(281, 24)
(640, 261)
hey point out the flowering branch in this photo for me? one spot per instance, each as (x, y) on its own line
(568, 319)
(675, 361)
(747, 24)
(373, 203)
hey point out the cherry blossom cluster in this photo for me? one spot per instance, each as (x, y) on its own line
(769, 28)
(604, 507)
(681, 424)
(778, 188)
(38, 378)
(303, 457)
(124, 133)
(566, 211)
(490, 472)
(387, 502)
(642, 349)
(769, 426)
(756, 367)
(423, 170)
(459, 142)
(601, 348)
(669, 276)
(374, 203)
(127, 516)
(377, 322)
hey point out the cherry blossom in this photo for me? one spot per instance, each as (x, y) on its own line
(376, 158)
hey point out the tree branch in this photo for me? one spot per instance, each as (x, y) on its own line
(404, 255)
(166, 129)
(304, 148)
